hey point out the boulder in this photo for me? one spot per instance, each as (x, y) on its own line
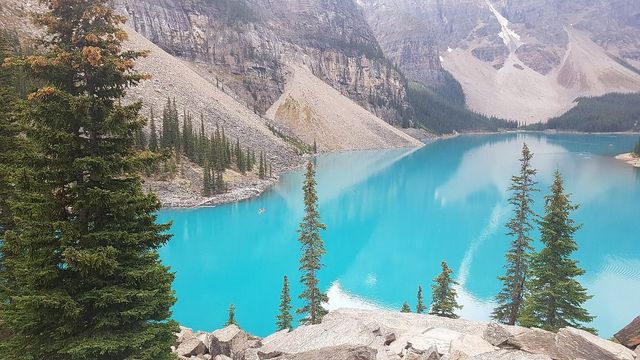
(496, 334)
(629, 336)
(221, 357)
(228, 341)
(536, 341)
(510, 354)
(191, 347)
(470, 345)
(580, 344)
(422, 340)
(429, 354)
(343, 352)
(184, 334)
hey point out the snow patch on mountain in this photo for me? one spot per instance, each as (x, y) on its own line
(510, 38)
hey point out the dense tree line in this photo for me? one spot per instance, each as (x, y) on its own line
(607, 113)
(215, 153)
(80, 273)
(441, 115)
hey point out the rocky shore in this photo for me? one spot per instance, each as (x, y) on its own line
(630, 159)
(349, 334)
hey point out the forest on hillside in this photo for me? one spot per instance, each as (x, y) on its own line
(607, 113)
(442, 111)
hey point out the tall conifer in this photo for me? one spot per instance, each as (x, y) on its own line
(555, 298)
(444, 295)
(231, 318)
(89, 283)
(312, 252)
(284, 320)
(518, 257)
(420, 308)
(153, 136)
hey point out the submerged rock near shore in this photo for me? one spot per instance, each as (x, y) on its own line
(349, 334)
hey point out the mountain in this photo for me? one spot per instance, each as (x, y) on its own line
(521, 60)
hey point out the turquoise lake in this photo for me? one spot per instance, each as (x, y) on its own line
(393, 216)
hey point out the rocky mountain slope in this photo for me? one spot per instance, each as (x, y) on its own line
(348, 334)
(248, 45)
(522, 60)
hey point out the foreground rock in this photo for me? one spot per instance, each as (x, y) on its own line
(348, 334)
(629, 336)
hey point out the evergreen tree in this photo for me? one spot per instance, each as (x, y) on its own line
(220, 186)
(312, 252)
(405, 308)
(554, 299)
(518, 257)
(444, 295)
(208, 185)
(284, 320)
(240, 161)
(261, 169)
(636, 150)
(153, 136)
(315, 147)
(248, 158)
(231, 319)
(88, 280)
(270, 171)
(420, 308)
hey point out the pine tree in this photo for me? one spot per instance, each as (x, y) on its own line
(554, 298)
(405, 308)
(444, 295)
(518, 257)
(231, 319)
(220, 186)
(284, 320)
(636, 151)
(312, 252)
(315, 147)
(153, 136)
(208, 185)
(88, 279)
(240, 161)
(420, 308)
(248, 158)
(261, 169)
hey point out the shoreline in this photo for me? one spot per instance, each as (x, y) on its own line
(629, 159)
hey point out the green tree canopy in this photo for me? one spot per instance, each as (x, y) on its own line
(444, 295)
(555, 298)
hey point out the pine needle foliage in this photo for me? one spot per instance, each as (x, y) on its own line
(420, 308)
(284, 320)
(444, 295)
(231, 318)
(87, 282)
(511, 296)
(405, 308)
(554, 297)
(312, 252)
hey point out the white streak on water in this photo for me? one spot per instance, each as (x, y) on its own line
(340, 299)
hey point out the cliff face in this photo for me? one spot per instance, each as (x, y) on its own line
(532, 57)
(247, 44)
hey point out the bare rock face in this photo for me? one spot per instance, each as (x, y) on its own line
(579, 344)
(247, 44)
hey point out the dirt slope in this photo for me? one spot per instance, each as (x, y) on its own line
(314, 110)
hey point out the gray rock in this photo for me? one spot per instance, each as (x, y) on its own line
(536, 341)
(221, 357)
(228, 341)
(429, 354)
(496, 334)
(470, 345)
(510, 354)
(580, 344)
(191, 347)
(334, 353)
(184, 334)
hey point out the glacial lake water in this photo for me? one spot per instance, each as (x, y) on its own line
(393, 216)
